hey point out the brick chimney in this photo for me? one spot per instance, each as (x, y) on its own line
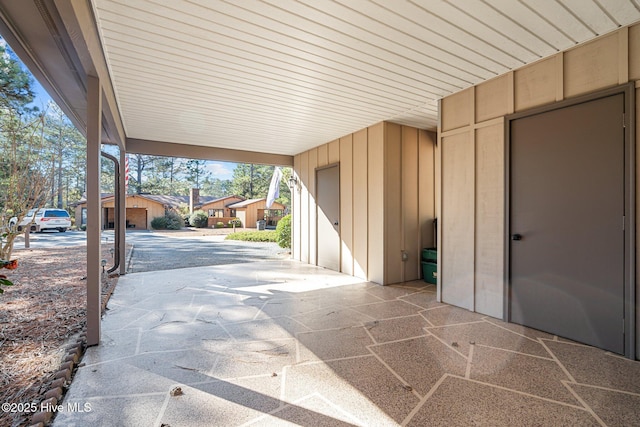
(194, 199)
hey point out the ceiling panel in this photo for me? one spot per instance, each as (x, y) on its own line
(282, 76)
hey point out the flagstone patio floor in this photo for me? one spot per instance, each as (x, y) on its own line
(284, 343)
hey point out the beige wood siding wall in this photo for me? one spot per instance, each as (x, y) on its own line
(251, 216)
(471, 138)
(387, 201)
(154, 209)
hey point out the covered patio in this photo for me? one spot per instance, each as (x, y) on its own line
(286, 343)
(392, 114)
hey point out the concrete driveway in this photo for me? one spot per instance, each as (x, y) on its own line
(54, 239)
(154, 251)
(167, 250)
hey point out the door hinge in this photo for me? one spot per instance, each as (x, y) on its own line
(624, 120)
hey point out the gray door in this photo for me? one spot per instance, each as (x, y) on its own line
(567, 201)
(328, 229)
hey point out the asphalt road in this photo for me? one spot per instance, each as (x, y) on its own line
(165, 251)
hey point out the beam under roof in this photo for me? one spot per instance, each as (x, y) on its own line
(159, 148)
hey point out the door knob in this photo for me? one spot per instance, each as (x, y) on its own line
(516, 237)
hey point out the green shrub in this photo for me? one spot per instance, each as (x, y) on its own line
(199, 219)
(170, 221)
(283, 231)
(219, 224)
(174, 220)
(159, 223)
(253, 236)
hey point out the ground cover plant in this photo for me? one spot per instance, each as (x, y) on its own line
(253, 236)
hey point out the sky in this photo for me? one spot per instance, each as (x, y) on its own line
(220, 170)
(42, 98)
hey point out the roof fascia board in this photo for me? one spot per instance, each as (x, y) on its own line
(168, 149)
(81, 26)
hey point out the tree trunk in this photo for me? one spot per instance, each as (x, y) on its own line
(60, 186)
(139, 169)
(251, 183)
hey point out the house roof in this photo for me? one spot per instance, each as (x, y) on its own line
(223, 199)
(249, 202)
(261, 82)
(172, 201)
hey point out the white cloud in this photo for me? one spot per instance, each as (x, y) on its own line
(221, 170)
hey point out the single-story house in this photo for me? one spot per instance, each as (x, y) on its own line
(253, 210)
(220, 210)
(513, 125)
(141, 209)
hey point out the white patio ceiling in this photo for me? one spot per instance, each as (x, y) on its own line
(282, 76)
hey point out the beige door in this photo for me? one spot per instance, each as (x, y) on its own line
(328, 228)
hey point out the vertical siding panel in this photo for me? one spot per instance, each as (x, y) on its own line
(456, 111)
(360, 205)
(410, 197)
(458, 194)
(492, 98)
(297, 212)
(346, 203)
(489, 220)
(375, 202)
(634, 52)
(591, 66)
(535, 84)
(323, 156)
(623, 55)
(393, 225)
(305, 227)
(334, 151)
(313, 206)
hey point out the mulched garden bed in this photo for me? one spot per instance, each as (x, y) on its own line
(40, 316)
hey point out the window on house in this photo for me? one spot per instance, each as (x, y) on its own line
(216, 213)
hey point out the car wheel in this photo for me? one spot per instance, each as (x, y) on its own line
(19, 228)
(62, 229)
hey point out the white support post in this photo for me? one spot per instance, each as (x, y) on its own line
(94, 223)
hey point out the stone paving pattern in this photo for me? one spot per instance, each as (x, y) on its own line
(282, 343)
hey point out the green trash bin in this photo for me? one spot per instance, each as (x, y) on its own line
(430, 254)
(430, 272)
